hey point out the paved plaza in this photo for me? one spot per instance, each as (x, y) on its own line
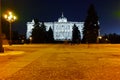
(60, 62)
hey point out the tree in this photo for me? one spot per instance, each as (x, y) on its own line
(43, 33)
(36, 32)
(91, 26)
(113, 38)
(50, 38)
(15, 37)
(75, 34)
(39, 33)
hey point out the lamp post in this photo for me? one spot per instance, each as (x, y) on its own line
(10, 18)
(99, 38)
(1, 47)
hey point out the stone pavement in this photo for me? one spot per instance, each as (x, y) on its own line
(66, 62)
(14, 58)
(14, 65)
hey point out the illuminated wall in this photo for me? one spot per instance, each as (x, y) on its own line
(62, 29)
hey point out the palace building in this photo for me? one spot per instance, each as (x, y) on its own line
(62, 29)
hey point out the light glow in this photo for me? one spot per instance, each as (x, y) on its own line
(10, 17)
(15, 18)
(10, 13)
(5, 16)
(100, 37)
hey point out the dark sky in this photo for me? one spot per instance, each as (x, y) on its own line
(74, 10)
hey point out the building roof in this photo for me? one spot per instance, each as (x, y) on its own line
(62, 18)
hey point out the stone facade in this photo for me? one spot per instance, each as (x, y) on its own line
(62, 29)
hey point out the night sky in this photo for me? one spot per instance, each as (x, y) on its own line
(74, 10)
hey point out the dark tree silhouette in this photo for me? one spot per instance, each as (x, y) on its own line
(76, 35)
(36, 32)
(91, 26)
(15, 35)
(43, 33)
(50, 37)
(17, 38)
(37, 24)
(39, 33)
(112, 38)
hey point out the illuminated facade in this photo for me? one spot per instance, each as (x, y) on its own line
(62, 29)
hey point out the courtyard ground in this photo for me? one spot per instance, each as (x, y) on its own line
(60, 62)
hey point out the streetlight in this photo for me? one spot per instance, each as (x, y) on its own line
(99, 38)
(10, 17)
(30, 39)
(1, 46)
